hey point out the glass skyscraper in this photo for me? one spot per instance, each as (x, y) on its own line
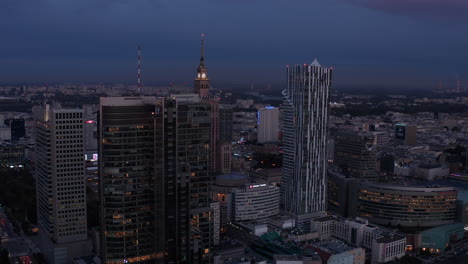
(155, 177)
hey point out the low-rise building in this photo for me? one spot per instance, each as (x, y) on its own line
(437, 239)
(243, 200)
(432, 171)
(359, 233)
(295, 259)
(334, 251)
(386, 249)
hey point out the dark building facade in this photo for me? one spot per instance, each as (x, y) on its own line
(225, 123)
(155, 178)
(342, 194)
(355, 155)
(186, 123)
(17, 126)
(127, 181)
(405, 134)
(11, 155)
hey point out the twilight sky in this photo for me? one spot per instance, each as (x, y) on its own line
(370, 43)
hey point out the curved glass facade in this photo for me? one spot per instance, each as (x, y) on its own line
(127, 183)
(407, 206)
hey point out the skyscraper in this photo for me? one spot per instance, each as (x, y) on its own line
(155, 175)
(306, 104)
(61, 183)
(189, 176)
(268, 124)
(128, 187)
(202, 87)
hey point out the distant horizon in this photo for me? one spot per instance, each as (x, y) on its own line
(338, 83)
(369, 43)
(246, 87)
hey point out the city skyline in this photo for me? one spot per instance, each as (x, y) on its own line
(371, 43)
(209, 132)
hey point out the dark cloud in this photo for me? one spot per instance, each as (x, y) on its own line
(438, 9)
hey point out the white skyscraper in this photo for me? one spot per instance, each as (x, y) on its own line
(61, 183)
(306, 104)
(268, 124)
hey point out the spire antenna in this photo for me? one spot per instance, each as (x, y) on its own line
(202, 51)
(139, 70)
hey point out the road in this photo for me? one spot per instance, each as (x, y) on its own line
(17, 245)
(460, 259)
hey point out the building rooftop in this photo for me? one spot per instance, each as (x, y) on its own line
(231, 177)
(316, 63)
(231, 180)
(443, 229)
(388, 239)
(429, 166)
(287, 257)
(325, 218)
(333, 246)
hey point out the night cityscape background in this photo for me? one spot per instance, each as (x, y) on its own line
(286, 132)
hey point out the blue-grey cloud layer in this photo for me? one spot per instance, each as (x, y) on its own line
(432, 9)
(246, 40)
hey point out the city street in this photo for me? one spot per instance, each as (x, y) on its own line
(17, 245)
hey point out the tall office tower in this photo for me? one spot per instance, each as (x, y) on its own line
(128, 186)
(226, 114)
(189, 177)
(268, 124)
(61, 184)
(356, 155)
(202, 89)
(306, 104)
(155, 175)
(405, 134)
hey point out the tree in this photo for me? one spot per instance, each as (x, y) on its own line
(4, 257)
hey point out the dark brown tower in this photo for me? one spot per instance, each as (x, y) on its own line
(202, 83)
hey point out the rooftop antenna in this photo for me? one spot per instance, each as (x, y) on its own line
(139, 70)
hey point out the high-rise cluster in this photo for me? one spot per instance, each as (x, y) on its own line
(157, 159)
